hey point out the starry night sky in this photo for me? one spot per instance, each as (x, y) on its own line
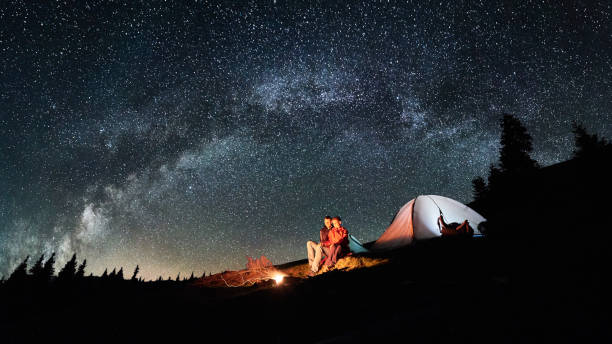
(183, 137)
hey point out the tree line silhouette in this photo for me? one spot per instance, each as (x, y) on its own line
(516, 175)
(42, 274)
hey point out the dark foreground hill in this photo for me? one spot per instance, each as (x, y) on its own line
(540, 275)
(441, 290)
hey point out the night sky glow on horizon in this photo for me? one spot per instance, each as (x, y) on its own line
(184, 137)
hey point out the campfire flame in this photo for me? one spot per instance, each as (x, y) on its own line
(278, 278)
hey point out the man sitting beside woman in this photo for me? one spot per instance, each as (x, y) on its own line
(334, 243)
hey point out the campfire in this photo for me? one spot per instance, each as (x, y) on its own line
(257, 270)
(278, 278)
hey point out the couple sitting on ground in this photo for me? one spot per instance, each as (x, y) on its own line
(333, 244)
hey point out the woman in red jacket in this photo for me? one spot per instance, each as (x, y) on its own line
(338, 239)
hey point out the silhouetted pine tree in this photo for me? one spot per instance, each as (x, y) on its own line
(506, 179)
(37, 269)
(135, 273)
(169, 278)
(191, 278)
(480, 188)
(81, 271)
(20, 273)
(203, 274)
(515, 147)
(495, 179)
(48, 269)
(178, 277)
(514, 159)
(68, 271)
(159, 279)
(120, 274)
(105, 273)
(587, 144)
(113, 274)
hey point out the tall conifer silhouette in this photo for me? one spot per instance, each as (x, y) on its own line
(37, 269)
(587, 144)
(514, 160)
(516, 144)
(20, 273)
(479, 187)
(135, 273)
(113, 274)
(68, 271)
(81, 271)
(49, 269)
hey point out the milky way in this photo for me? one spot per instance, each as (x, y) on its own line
(185, 137)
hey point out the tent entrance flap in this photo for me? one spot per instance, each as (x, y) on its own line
(356, 246)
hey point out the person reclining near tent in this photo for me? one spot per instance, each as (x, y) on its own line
(339, 244)
(454, 228)
(315, 251)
